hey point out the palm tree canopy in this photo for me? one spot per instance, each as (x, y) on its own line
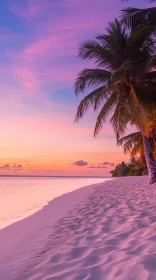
(124, 77)
(134, 17)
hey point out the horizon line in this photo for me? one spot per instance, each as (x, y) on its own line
(53, 176)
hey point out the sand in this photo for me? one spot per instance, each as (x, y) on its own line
(105, 231)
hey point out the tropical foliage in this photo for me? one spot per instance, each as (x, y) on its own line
(136, 167)
(136, 18)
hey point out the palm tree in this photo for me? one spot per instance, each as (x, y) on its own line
(135, 19)
(123, 83)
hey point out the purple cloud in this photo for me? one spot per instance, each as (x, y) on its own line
(104, 163)
(19, 166)
(91, 166)
(5, 166)
(13, 167)
(61, 35)
(80, 163)
(107, 163)
(96, 166)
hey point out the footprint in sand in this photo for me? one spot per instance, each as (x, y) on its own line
(149, 262)
(77, 253)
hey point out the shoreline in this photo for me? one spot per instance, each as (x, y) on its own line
(32, 194)
(103, 231)
(18, 239)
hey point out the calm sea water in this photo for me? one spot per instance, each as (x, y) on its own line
(20, 197)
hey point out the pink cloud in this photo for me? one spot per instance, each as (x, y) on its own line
(61, 41)
(32, 8)
(28, 8)
(27, 78)
(55, 36)
(41, 60)
(48, 47)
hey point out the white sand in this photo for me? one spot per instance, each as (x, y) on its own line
(109, 234)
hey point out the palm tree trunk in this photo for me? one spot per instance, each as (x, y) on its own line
(151, 163)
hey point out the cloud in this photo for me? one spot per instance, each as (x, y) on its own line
(13, 167)
(107, 163)
(63, 26)
(80, 163)
(19, 166)
(104, 164)
(96, 166)
(5, 166)
(91, 166)
(28, 8)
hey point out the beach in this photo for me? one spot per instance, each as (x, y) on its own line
(102, 231)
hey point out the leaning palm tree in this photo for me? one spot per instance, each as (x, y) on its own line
(122, 84)
(135, 19)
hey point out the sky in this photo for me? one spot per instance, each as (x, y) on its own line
(39, 62)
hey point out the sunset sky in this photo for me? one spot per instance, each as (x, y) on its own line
(39, 42)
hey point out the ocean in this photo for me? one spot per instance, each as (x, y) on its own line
(21, 197)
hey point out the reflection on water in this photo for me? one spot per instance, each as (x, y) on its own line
(20, 197)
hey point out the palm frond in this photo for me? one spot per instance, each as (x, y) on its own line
(145, 95)
(107, 50)
(107, 108)
(151, 77)
(91, 78)
(134, 18)
(93, 51)
(140, 111)
(115, 37)
(152, 62)
(91, 101)
(131, 143)
(132, 137)
(141, 37)
(138, 148)
(120, 118)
